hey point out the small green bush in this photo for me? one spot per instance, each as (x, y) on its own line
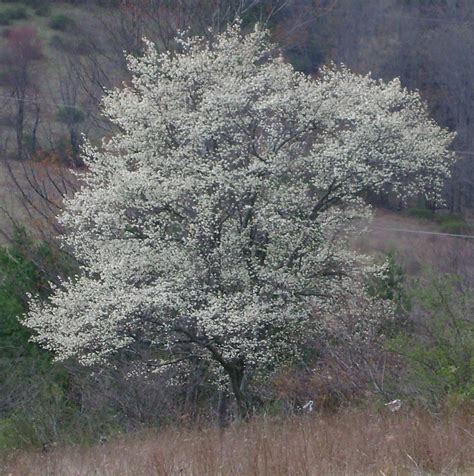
(10, 14)
(390, 285)
(423, 213)
(17, 12)
(454, 224)
(8, 434)
(70, 115)
(61, 22)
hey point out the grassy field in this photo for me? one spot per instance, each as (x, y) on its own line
(351, 442)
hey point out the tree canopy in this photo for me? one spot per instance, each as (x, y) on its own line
(213, 226)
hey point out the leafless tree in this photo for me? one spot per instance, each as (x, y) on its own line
(18, 61)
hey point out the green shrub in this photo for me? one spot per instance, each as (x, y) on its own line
(43, 411)
(70, 115)
(423, 213)
(25, 267)
(33, 402)
(61, 22)
(391, 284)
(17, 12)
(439, 350)
(8, 433)
(454, 224)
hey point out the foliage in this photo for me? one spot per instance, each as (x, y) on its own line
(70, 115)
(33, 396)
(213, 227)
(18, 276)
(390, 285)
(41, 412)
(25, 267)
(440, 348)
(453, 223)
(61, 22)
(10, 14)
(423, 213)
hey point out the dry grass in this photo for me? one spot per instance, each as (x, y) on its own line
(352, 442)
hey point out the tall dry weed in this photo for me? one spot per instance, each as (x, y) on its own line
(351, 442)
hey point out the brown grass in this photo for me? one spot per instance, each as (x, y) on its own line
(352, 442)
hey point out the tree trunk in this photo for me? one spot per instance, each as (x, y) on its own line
(20, 118)
(222, 409)
(236, 372)
(35, 129)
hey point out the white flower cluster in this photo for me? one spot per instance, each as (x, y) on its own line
(214, 224)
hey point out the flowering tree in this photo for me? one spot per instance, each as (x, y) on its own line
(212, 227)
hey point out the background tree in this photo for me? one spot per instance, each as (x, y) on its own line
(212, 228)
(71, 112)
(18, 61)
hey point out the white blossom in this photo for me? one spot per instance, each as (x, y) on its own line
(215, 223)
